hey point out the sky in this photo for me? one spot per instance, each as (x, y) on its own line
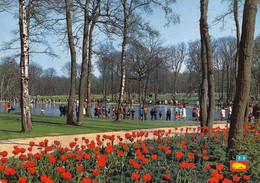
(187, 30)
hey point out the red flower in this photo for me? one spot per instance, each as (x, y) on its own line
(22, 179)
(213, 180)
(135, 176)
(2, 168)
(80, 168)
(3, 160)
(154, 156)
(4, 153)
(66, 175)
(87, 156)
(120, 153)
(168, 152)
(219, 167)
(101, 163)
(167, 176)
(183, 142)
(216, 139)
(147, 177)
(145, 161)
(179, 155)
(37, 156)
(131, 162)
(137, 166)
(52, 159)
(56, 142)
(48, 148)
(79, 158)
(206, 158)
(236, 178)
(3, 181)
(151, 148)
(96, 172)
(72, 155)
(202, 135)
(125, 147)
(86, 180)
(72, 144)
(61, 169)
(31, 170)
(63, 157)
(246, 177)
(207, 167)
(43, 178)
(42, 144)
(22, 157)
(31, 163)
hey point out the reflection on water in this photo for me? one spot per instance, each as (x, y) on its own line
(53, 110)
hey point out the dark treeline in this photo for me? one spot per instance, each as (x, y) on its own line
(154, 72)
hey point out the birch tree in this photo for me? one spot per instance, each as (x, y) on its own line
(24, 68)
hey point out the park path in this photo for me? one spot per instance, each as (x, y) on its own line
(8, 145)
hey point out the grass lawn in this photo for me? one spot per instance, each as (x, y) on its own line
(10, 126)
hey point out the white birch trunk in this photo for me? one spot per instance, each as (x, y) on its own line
(24, 66)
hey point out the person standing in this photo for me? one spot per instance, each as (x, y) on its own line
(180, 113)
(61, 109)
(198, 112)
(145, 113)
(168, 115)
(151, 112)
(133, 113)
(250, 113)
(229, 112)
(160, 115)
(222, 114)
(194, 114)
(184, 114)
(155, 114)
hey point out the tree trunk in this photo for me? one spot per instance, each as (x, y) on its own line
(24, 66)
(244, 74)
(122, 86)
(204, 83)
(84, 65)
(238, 35)
(89, 72)
(73, 65)
(209, 56)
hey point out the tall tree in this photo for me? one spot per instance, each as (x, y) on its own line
(244, 75)
(70, 120)
(24, 66)
(129, 8)
(204, 64)
(207, 53)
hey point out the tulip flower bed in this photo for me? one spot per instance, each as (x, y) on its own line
(168, 157)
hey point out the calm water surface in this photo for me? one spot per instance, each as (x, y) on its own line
(53, 110)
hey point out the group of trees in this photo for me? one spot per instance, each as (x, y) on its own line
(143, 61)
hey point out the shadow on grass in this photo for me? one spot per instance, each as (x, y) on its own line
(14, 131)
